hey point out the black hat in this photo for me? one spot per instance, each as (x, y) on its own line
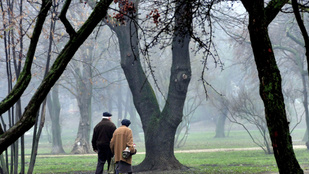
(126, 122)
(106, 114)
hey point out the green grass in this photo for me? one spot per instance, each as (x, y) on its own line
(206, 162)
(232, 162)
(210, 162)
(63, 164)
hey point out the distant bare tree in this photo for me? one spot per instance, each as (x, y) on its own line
(182, 132)
(246, 109)
(302, 27)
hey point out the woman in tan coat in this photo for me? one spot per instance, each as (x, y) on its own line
(123, 138)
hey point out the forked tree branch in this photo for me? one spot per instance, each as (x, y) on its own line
(69, 28)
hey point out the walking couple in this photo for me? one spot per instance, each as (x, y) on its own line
(108, 142)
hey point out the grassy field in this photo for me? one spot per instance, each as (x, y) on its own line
(208, 162)
(250, 161)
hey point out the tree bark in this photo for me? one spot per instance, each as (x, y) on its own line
(159, 127)
(270, 83)
(28, 118)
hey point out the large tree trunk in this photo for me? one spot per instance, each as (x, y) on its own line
(270, 83)
(81, 145)
(84, 96)
(143, 94)
(159, 127)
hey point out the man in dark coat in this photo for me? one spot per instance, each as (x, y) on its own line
(102, 135)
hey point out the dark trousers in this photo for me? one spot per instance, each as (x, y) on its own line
(100, 165)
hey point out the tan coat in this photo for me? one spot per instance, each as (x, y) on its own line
(122, 138)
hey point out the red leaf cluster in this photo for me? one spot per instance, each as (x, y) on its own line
(155, 16)
(125, 8)
(119, 17)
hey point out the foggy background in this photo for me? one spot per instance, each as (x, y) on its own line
(232, 91)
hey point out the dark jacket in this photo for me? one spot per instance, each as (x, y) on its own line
(102, 134)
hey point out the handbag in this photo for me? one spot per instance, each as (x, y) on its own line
(111, 169)
(126, 153)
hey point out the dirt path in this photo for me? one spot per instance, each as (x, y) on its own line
(185, 151)
(231, 149)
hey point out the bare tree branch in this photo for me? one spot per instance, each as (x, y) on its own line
(29, 116)
(64, 20)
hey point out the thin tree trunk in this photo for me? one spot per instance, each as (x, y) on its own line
(41, 120)
(36, 138)
(18, 71)
(2, 130)
(15, 117)
(3, 164)
(270, 83)
(12, 48)
(53, 98)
